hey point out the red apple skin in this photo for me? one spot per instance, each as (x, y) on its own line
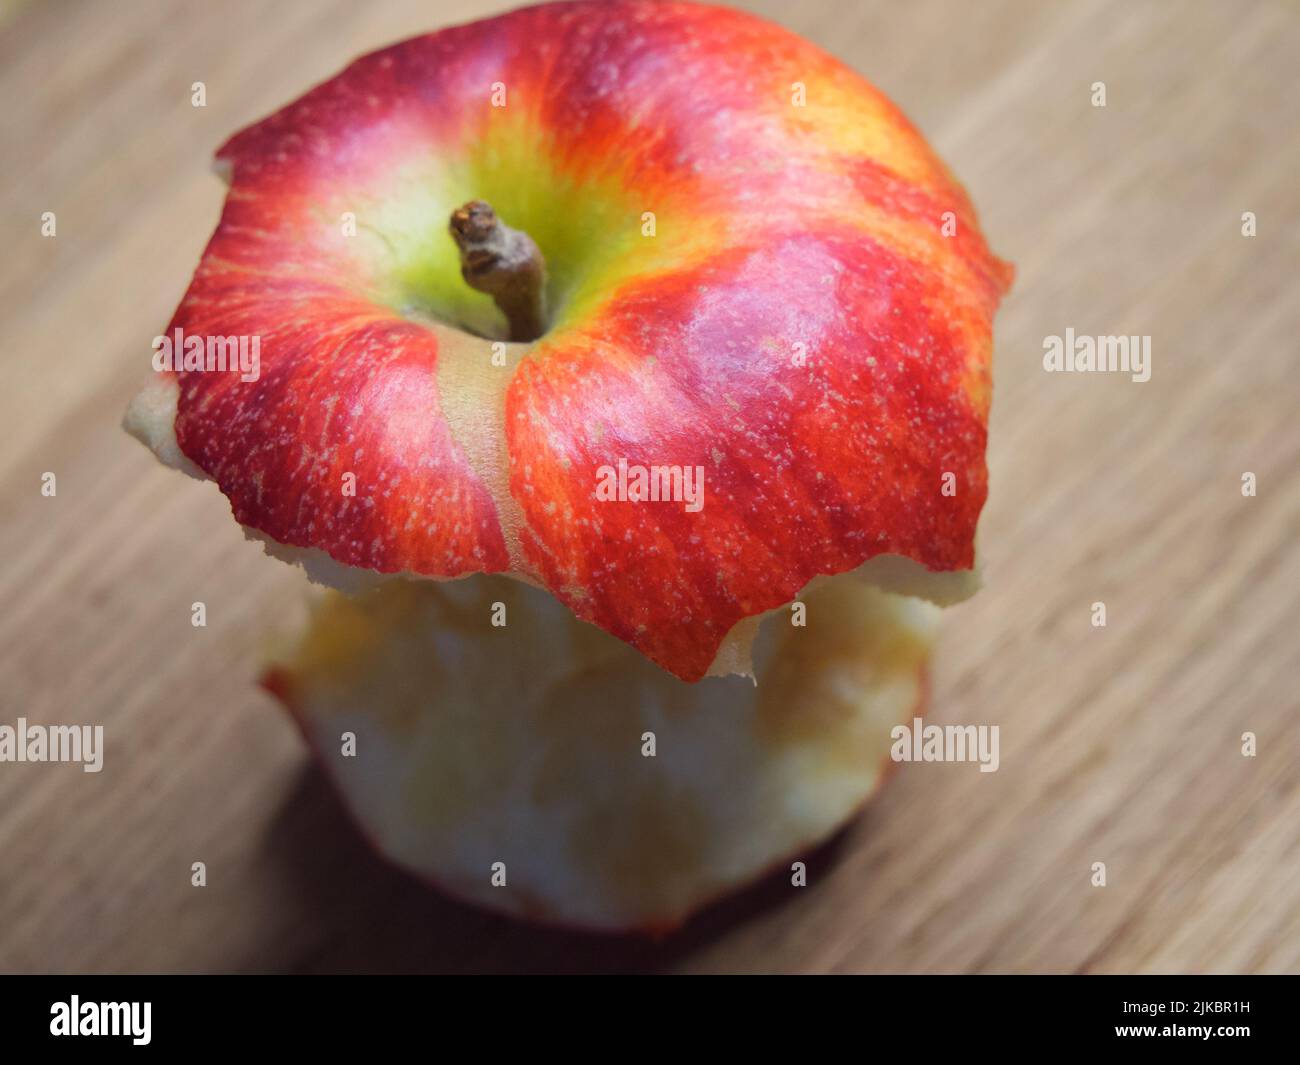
(825, 228)
(821, 467)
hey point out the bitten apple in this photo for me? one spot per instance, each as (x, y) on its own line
(645, 315)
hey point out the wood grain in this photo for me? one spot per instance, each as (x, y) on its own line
(1119, 744)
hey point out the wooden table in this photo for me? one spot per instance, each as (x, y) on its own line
(1119, 744)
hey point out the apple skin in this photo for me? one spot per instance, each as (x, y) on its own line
(779, 228)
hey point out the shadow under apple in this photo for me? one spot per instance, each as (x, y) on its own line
(369, 916)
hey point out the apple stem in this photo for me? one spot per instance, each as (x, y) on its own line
(505, 263)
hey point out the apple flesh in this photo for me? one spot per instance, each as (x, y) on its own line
(606, 793)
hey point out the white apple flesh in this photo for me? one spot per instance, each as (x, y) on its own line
(544, 769)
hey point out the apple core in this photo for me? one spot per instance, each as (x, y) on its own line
(705, 273)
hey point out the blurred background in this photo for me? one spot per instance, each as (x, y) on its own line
(1120, 744)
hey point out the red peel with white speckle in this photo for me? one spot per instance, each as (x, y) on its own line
(793, 320)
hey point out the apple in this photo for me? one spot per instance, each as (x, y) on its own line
(748, 263)
(548, 771)
(644, 319)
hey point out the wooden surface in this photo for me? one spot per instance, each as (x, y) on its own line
(1119, 745)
